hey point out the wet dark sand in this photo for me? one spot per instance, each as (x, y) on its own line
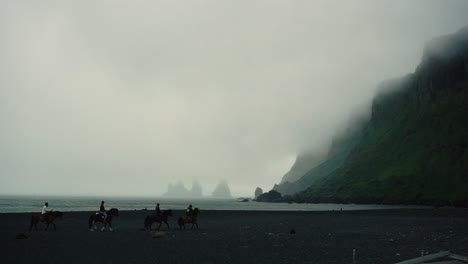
(384, 236)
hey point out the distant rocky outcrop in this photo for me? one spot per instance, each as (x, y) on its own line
(258, 192)
(222, 191)
(196, 190)
(178, 190)
(271, 196)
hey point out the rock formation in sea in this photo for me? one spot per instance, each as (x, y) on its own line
(222, 191)
(271, 196)
(179, 190)
(258, 192)
(196, 190)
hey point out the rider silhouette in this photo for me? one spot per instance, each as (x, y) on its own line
(103, 211)
(158, 210)
(45, 210)
(189, 210)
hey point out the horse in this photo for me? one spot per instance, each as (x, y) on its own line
(48, 219)
(161, 218)
(97, 217)
(189, 219)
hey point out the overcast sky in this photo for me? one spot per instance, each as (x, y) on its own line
(124, 97)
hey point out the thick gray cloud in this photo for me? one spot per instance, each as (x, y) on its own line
(123, 97)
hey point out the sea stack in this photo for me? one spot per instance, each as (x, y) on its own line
(222, 191)
(179, 190)
(258, 192)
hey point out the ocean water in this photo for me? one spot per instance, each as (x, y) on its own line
(15, 204)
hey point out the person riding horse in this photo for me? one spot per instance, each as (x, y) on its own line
(46, 216)
(45, 211)
(103, 211)
(189, 218)
(158, 218)
(97, 217)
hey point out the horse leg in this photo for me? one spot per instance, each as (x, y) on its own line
(55, 228)
(110, 226)
(91, 223)
(103, 226)
(167, 225)
(47, 226)
(159, 227)
(32, 223)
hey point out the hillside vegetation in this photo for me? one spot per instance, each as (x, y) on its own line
(414, 147)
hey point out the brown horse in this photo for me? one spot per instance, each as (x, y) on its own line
(189, 219)
(48, 219)
(97, 217)
(161, 218)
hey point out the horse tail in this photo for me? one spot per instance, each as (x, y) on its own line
(90, 221)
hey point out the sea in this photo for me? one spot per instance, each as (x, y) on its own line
(17, 204)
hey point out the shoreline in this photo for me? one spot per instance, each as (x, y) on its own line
(77, 205)
(409, 209)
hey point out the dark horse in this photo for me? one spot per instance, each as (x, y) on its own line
(97, 217)
(161, 218)
(47, 219)
(189, 219)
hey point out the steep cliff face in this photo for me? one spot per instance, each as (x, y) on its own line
(339, 151)
(304, 162)
(414, 148)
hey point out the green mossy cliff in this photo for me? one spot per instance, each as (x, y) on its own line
(414, 147)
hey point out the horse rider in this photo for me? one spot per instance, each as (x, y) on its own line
(45, 210)
(103, 211)
(189, 211)
(158, 210)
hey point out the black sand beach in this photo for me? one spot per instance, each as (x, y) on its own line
(379, 236)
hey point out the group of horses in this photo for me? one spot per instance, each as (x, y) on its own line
(161, 218)
(164, 215)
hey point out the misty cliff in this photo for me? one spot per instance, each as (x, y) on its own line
(304, 162)
(337, 154)
(414, 147)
